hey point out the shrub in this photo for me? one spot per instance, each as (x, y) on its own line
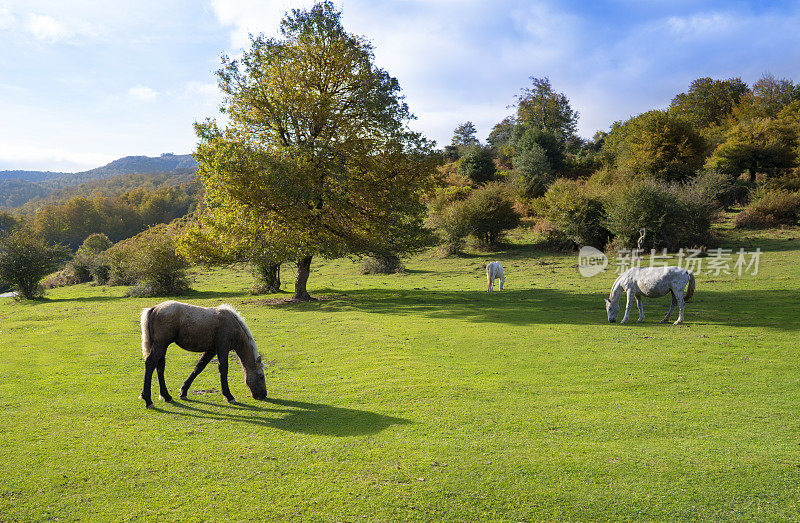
(770, 209)
(788, 182)
(63, 278)
(383, 264)
(151, 261)
(674, 216)
(489, 212)
(551, 236)
(532, 172)
(446, 218)
(577, 211)
(477, 165)
(720, 188)
(25, 259)
(90, 262)
(486, 213)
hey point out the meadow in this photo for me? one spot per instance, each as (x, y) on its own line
(418, 396)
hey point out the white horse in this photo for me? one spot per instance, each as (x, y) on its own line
(652, 282)
(494, 270)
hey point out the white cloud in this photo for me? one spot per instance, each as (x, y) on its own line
(22, 156)
(701, 25)
(6, 18)
(143, 93)
(246, 16)
(46, 28)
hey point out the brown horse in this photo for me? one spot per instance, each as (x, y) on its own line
(214, 331)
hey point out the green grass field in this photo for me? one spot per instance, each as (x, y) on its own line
(418, 396)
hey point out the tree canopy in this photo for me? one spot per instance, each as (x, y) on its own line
(709, 101)
(317, 158)
(542, 107)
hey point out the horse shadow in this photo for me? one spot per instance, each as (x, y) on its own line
(735, 308)
(292, 416)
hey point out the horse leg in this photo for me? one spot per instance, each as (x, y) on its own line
(198, 368)
(491, 284)
(641, 309)
(672, 304)
(502, 282)
(162, 385)
(150, 364)
(628, 305)
(679, 299)
(222, 356)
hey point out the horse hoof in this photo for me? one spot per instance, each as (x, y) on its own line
(232, 401)
(677, 322)
(182, 396)
(167, 399)
(149, 406)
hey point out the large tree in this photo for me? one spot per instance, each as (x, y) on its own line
(757, 145)
(656, 144)
(768, 96)
(317, 157)
(709, 101)
(464, 135)
(542, 107)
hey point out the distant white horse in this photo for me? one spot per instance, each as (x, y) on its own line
(652, 282)
(494, 270)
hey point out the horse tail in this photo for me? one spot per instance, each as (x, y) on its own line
(144, 321)
(690, 290)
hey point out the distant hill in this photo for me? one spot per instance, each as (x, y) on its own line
(166, 163)
(15, 192)
(30, 176)
(19, 187)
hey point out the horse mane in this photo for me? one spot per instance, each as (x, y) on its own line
(614, 286)
(246, 329)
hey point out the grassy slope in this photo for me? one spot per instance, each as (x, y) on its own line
(418, 396)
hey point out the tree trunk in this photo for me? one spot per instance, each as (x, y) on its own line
(270, 277)
(303, 270)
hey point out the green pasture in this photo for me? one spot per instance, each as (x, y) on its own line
(418, 396)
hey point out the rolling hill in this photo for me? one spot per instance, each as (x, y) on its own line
(20, 187)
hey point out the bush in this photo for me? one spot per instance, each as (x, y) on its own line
(486, 212)
(25, 259)
(720, 188)
(63, 278)
(90, 262)
(477, 165)
(384, 264)
(447, 219)
(489, 212)
(577, 211)
(551, 236)
(770, 209)
(674, 216)
(789, 182)
(532, 172)
(151, 262)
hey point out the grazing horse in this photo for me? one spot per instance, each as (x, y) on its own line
(652, 282)
(214, 331)
(494, 270)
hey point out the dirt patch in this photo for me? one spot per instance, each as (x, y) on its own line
(202, 392)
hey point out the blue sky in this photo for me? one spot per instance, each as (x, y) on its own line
(85, 82)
